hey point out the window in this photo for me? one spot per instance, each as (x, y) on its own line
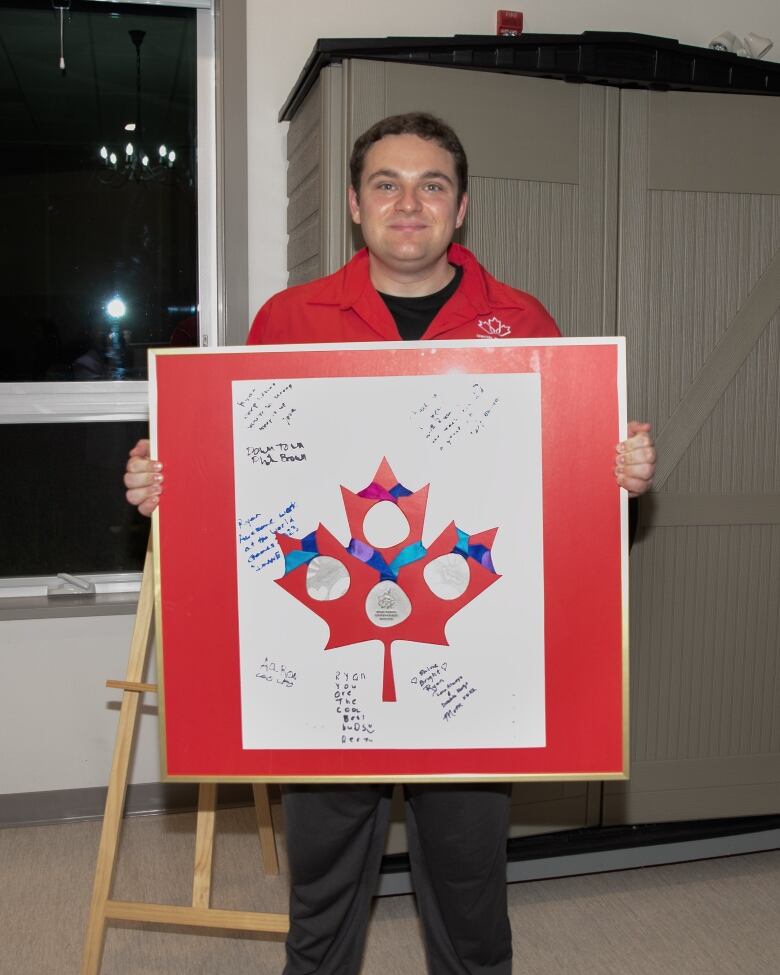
(101, 258)
(68, 512)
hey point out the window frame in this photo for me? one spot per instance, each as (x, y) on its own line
(106, 401)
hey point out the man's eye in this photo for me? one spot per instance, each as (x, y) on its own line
(434, 187)
(386, 186)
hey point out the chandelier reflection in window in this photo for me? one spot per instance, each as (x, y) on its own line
(136, 160)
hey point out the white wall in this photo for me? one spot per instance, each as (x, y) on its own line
(57, 718)
(279, 43)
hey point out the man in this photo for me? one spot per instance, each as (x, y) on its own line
(408, 193)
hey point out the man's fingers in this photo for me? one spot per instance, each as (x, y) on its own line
(641, 455)
(636, 486)
(634, 443)
(138, 465)
(142, 474)
(138, 495)
(147, 507)
(637, 426)
(637, 472)
(635, 459)
(145, 499)
(142, 479)
(141, 449)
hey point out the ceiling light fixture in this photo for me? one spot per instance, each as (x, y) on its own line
(132, 162)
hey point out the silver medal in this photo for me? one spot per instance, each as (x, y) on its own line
(387, 604)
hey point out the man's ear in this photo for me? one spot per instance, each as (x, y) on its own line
(354, 204)
(462, 207)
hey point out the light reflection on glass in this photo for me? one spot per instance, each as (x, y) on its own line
(116, 308)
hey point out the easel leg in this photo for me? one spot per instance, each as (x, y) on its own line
(117, 782)
(102, 907)
(265, 828)
(204, 844)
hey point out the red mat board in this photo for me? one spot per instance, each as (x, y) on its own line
(584, 556)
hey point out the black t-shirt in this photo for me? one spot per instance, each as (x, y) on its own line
(413, 315)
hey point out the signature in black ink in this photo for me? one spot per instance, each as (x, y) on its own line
(263, 406)
(442, 425)
(276, 453)
(356, 729)
(277, 673)
(450, 695)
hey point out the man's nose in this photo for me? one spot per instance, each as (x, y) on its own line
(408, 200)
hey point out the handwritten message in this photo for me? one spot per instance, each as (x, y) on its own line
(267, 404)
(276, 453)
(356, 729)
(450, 693)
(256, 536)
(442, 424)
(275, 673)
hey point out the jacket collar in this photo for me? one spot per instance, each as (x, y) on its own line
(351, 288)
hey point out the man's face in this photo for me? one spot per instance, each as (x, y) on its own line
(408, 207)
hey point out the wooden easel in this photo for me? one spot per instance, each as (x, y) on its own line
(200, 914)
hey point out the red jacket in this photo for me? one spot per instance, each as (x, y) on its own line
(345, 307)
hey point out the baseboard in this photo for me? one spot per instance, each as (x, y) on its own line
(146, 798)
(599, 849)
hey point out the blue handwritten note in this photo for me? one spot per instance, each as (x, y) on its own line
(256, 536)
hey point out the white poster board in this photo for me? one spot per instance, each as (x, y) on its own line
(476, 440)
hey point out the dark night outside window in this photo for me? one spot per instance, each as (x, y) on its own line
(94, 267)
(67, 512)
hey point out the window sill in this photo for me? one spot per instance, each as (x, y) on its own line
(62, 607)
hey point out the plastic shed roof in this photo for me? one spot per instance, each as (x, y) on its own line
(616, 59)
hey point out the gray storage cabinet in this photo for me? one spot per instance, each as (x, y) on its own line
(654, 215)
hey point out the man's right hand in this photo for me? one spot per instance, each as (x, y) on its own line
(143, 479)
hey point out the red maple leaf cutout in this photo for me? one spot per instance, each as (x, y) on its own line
(402, 565)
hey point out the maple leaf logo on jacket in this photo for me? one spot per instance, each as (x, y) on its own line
(402, 592)
(494, 328)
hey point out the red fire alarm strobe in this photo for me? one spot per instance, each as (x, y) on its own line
(509, 23)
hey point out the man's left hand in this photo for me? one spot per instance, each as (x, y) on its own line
(635, 459)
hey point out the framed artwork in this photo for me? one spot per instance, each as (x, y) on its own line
(391, 561)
